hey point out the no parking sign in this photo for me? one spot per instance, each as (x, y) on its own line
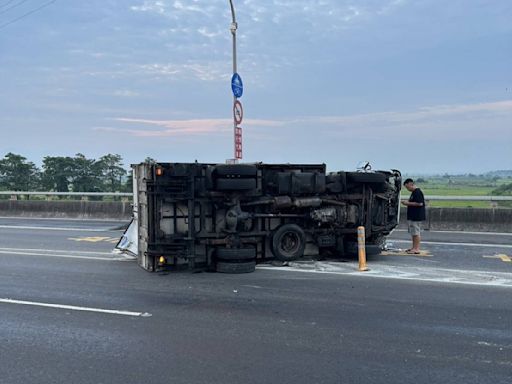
(238, 112)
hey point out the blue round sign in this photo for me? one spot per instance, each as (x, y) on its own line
(236, 85)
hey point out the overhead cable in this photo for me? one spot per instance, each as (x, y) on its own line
(13, 6)
(2, 26)
(6, 3)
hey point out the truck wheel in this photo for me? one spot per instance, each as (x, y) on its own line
(247, 267)
(288, 242)
(235, 184)
(366, 177)
(379, 187)
(236, 254)
(236, 170)
(371, 249)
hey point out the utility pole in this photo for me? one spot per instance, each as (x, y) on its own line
(237, 88)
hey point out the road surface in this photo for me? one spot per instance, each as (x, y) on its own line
(71, 311)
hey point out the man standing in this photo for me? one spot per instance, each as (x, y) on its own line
(415, 214)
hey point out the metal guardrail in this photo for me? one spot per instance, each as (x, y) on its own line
(468, 198)
(103, 194)
(127, 194)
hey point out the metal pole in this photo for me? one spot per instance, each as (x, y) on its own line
(234, 27)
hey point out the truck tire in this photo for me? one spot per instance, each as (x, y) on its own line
(371, 249)
(246, 267)
(379, 187)
(366, 177)
(236, 254)
(288, 242)
(337, 178)
(235, 184)
(236, 170)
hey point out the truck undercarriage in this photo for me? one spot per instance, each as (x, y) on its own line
(228, 217)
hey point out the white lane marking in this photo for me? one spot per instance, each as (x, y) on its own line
(75, 308)
(63, 256)
(448, 243)
(56, 228)
(54, 251)
(464, 232)
(28, 218)
(253, 286)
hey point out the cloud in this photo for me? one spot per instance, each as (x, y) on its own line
(211, 71)
(125, 93)
(175, 8)
(316, 19)
(443, 122)
(422, 114)
(498, 106)
(158, 7)
(390, 5)
(183, 127)
(458, 122)
(197, 33)
(210, 34)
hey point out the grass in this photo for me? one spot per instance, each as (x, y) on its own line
(459, 204)
(460, 186)
(457, 190)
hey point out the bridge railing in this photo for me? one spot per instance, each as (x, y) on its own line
(467, 198)
(15, 194)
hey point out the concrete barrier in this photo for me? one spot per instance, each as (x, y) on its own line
(460, 219)
(465, 219)
(103, 210)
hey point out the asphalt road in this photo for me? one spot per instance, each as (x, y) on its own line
(73, 236)
(276, 325)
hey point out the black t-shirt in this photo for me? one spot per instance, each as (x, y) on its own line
(416, 213)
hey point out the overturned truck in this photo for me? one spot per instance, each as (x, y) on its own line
(228, 217)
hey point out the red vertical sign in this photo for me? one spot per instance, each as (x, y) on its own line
(238, 143)
(238, 114)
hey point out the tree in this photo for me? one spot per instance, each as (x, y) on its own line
(503, 190)
(112, 172)
(86, 174)
(57, 173)
(128, 185)
(18, 174)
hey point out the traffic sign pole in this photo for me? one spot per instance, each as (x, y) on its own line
(237, 87)
(234, 27)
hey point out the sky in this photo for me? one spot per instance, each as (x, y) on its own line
(422, 86)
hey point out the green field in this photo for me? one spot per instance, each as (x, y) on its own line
(460, 186)
(457, 191)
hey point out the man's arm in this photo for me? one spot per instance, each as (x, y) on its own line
(416, 200)
(411, 204)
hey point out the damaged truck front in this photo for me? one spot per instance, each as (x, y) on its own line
(228, 217)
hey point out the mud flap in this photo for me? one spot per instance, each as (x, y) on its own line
(128, 244)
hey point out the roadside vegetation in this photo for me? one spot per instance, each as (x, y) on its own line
(64, 174)
(497, 183)
(108, 174)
